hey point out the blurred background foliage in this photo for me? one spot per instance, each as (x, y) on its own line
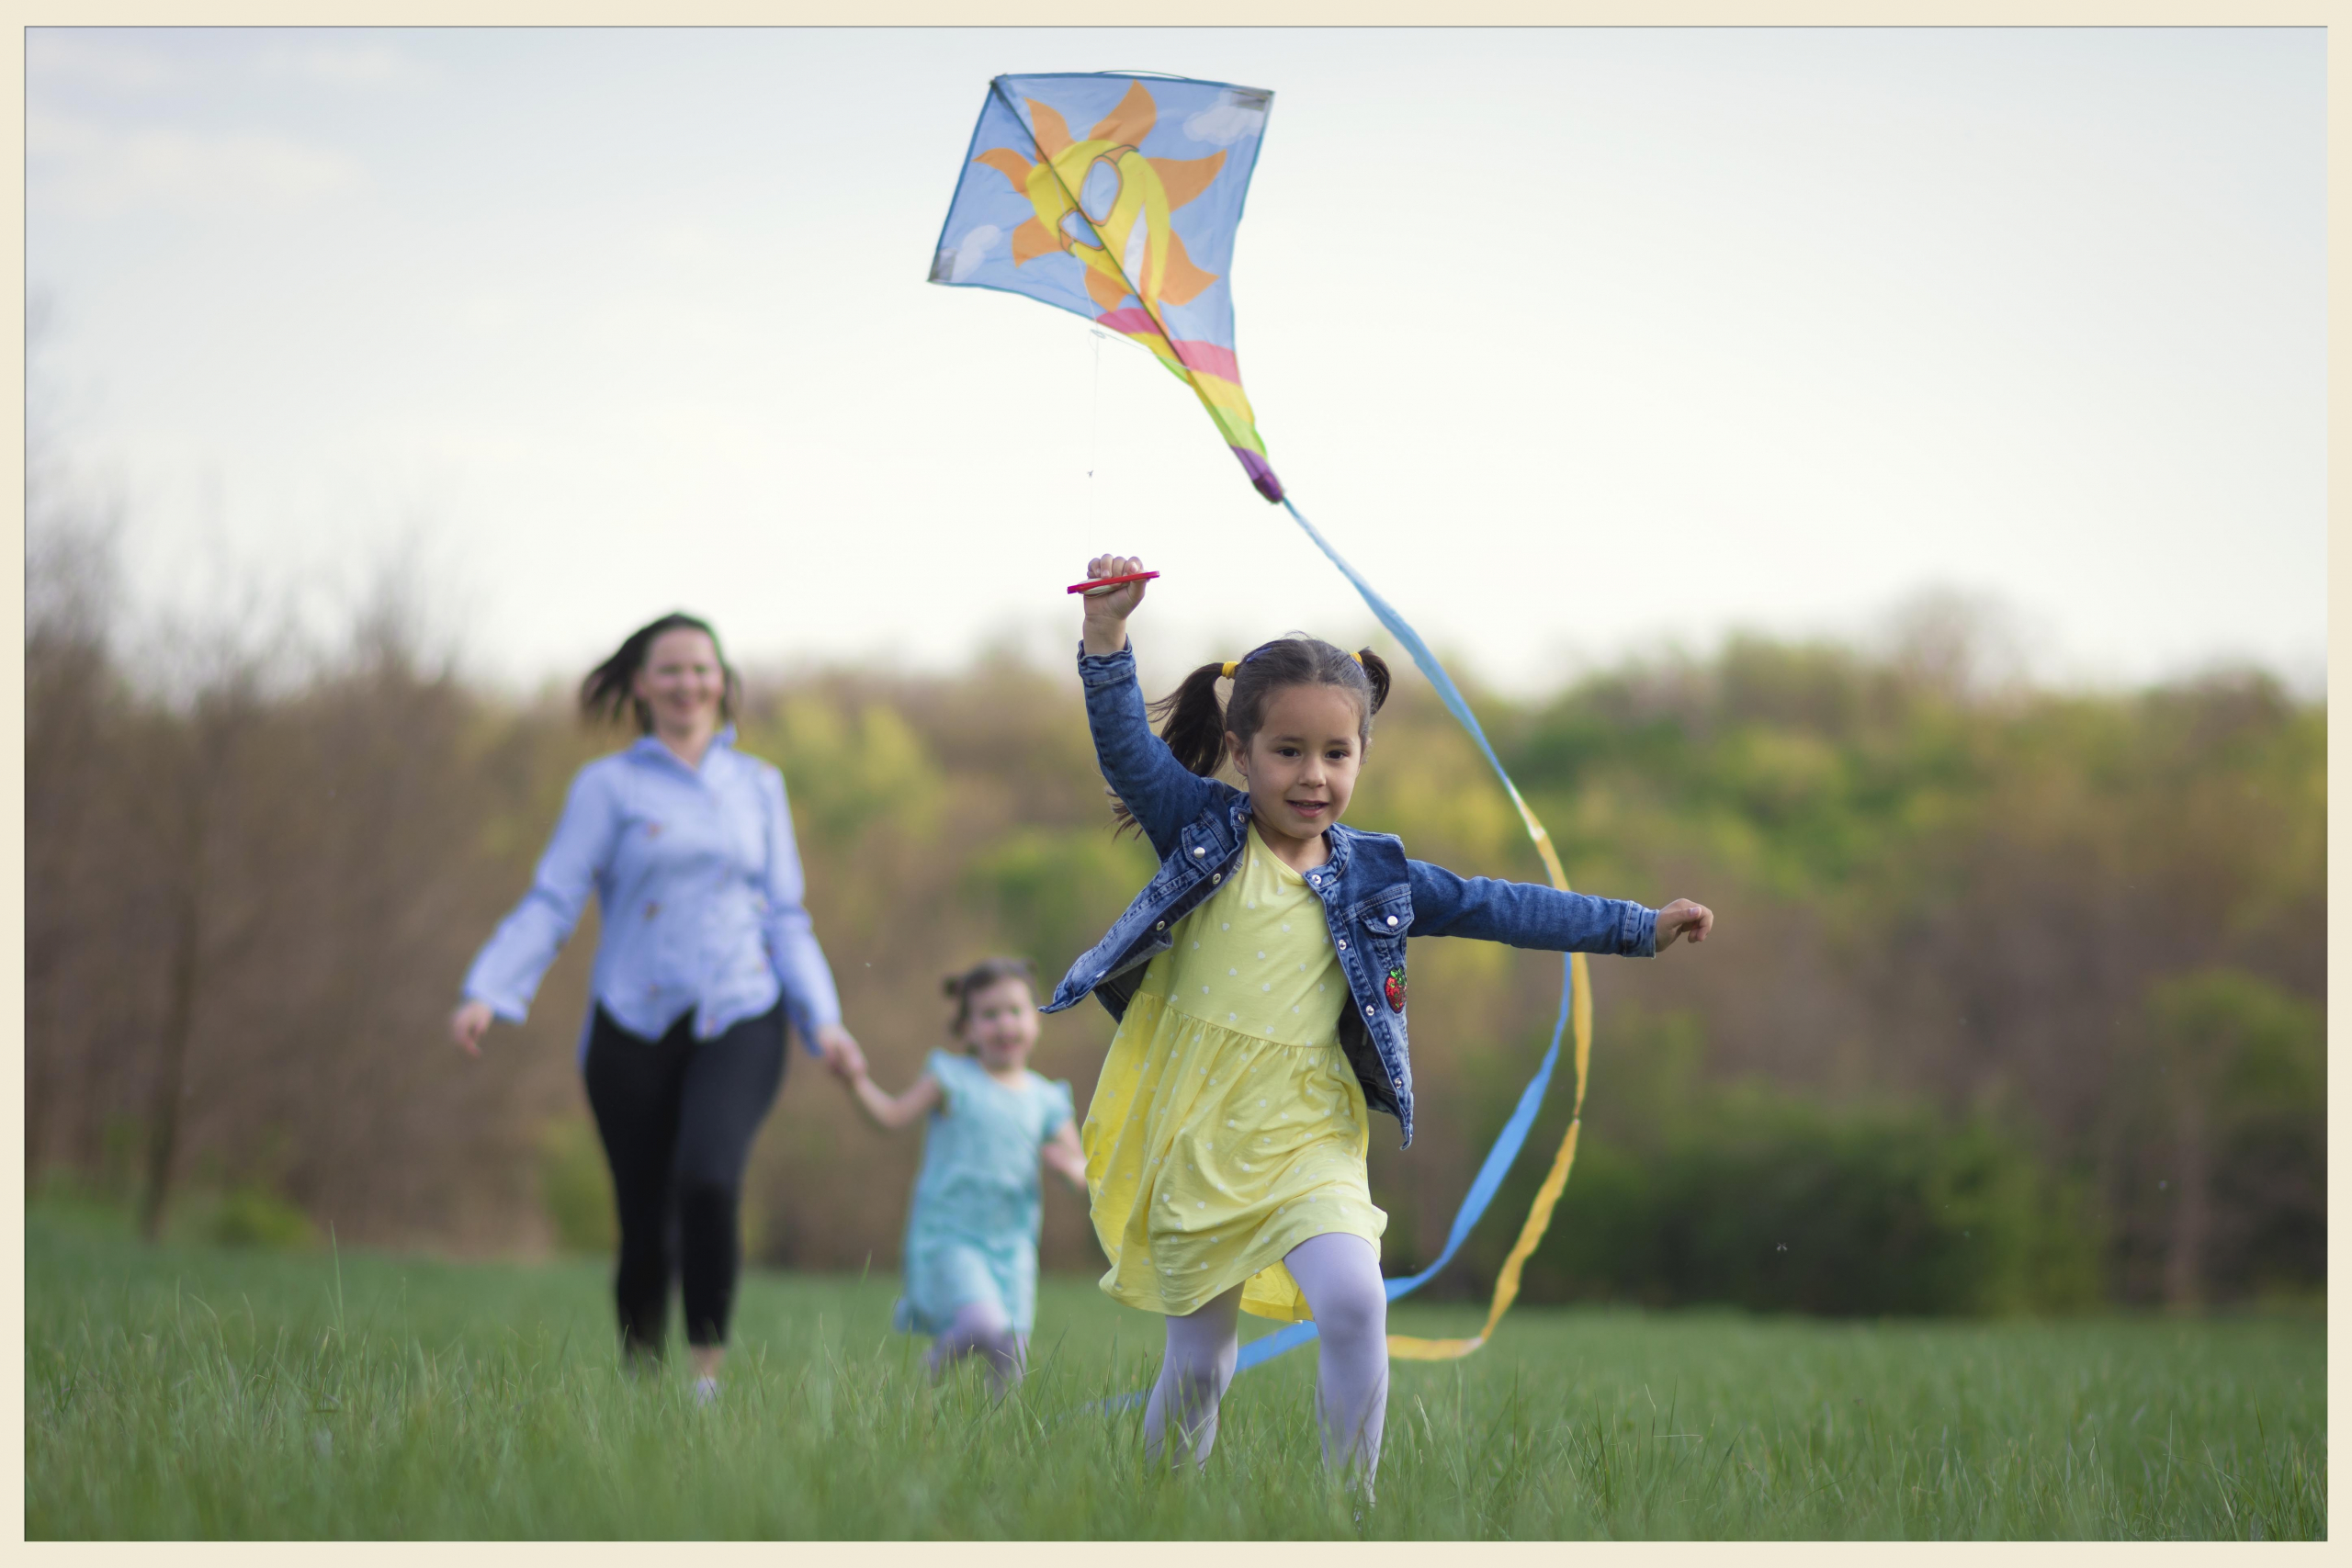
(2016, 1001)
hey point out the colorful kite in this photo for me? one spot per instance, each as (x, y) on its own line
(1132, 226)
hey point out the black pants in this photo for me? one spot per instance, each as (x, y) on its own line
(677, 1116)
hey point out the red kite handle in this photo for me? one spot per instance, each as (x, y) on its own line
(1100, 585)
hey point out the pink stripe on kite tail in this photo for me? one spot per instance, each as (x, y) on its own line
(1218, 362)
(1214, 358)
(1131, 322)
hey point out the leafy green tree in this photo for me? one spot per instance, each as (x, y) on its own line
(2242, 1082)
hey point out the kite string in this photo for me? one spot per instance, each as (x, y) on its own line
(1095, 423)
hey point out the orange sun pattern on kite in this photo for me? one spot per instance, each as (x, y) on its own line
(1103, 202)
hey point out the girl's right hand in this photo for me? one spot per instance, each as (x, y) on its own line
(1682, 917)
(1107, 612)
(466, 1025)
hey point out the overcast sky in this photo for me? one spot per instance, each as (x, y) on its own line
(1579, 342)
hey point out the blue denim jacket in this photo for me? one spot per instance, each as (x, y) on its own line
(1373, 895)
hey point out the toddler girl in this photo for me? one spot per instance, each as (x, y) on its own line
(971, 1250)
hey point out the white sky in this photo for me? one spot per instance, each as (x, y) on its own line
(1579, 342)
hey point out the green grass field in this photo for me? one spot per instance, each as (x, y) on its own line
(183, 1392)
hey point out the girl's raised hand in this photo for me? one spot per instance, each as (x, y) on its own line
(1107, 612)
(1683, 918)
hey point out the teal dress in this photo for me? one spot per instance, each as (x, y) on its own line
(972, 1233)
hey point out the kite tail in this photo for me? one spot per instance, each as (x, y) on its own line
(1575, 1020)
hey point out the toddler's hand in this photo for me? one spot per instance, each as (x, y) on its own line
(1683, 918)
(1067, 1163)
(1107, 612)
(841, 1055)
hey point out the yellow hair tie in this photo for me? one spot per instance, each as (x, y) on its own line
(1358, 658)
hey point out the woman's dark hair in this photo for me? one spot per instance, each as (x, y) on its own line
(610, 689)
(960, 988)
(1194, 723)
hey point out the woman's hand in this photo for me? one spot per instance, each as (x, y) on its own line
(841, 1052)
(1683, 918)
(466, 1025)
(1107, 612)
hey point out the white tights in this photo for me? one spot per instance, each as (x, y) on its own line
(979, 1328)
(1339, 1276)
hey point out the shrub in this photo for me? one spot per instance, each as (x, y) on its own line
(575, 1189)
(251, 1216)
(1751, 1196)
(1053, 892)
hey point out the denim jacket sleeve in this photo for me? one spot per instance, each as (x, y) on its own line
(1524, 914)
(1163, 794)
(507, 973)
(799, 962)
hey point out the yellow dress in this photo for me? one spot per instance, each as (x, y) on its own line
(1227, 1125)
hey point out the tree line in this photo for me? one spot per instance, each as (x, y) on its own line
(2016, 999)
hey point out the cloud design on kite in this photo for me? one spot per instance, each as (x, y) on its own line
(1228, 120)
(973, 250)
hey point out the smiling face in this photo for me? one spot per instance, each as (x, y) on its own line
(681, 680)
(1301, 766)
(1000, 1024)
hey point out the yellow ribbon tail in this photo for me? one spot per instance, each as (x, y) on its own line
(1538, 1220)
(1405, 1348)
(1552, 865)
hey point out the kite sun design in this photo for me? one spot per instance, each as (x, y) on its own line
(1103, 189)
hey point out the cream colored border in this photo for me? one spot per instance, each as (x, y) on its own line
(1068, 13)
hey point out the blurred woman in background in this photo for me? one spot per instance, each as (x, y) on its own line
(687, 844)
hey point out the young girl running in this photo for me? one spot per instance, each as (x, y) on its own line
(971, 1249)
(1259, 981)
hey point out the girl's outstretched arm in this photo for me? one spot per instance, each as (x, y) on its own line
(1525, 914)
(888, 1112)
(1064, 1157)
(1161, 793)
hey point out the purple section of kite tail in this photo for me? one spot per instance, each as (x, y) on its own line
(1260, 474)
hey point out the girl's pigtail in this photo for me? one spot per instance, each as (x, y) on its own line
(1195, 720)
(1376, 674)
(1192, 725)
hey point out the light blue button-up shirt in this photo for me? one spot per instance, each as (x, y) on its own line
(699, 882)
